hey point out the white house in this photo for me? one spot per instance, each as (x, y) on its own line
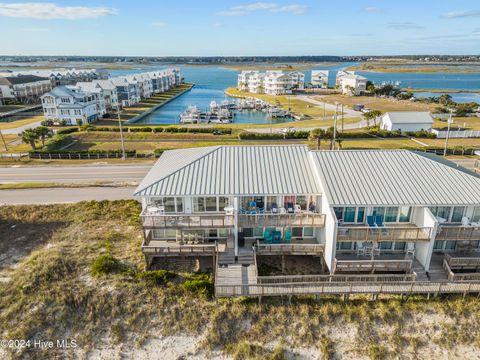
(353, 84)
(91, 87)
(407, 121)
(413, 210)
(319, 78)
(71, 104)
(340, 74)
(127, 90)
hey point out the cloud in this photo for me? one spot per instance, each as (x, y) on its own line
(217, 25)
(241, 10)
(462, 14)
(159, 24)
(373, 9)
(406, 25)
(46, 11)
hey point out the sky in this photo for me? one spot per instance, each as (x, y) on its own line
(236, 27)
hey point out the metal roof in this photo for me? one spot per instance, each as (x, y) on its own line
(231, 170)
(393, 177)
(407, 117)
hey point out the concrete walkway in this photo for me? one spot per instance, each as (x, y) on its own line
(18, 130)
(348, 113)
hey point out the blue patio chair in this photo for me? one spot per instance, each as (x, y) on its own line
(261, 210)
(379, 220)
(371, 220)
(253, 204)
(267, 237)
(290, 208)
(288, 236)
(243, 211)
(277, 237)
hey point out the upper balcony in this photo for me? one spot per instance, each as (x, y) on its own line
(458, 232)
(160, 220)
(296, 219)
(404, 232)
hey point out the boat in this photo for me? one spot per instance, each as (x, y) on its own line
(190, 116)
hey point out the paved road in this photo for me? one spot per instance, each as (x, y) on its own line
(73, 174)
(18, 130)
(63, 195)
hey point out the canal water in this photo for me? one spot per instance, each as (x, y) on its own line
(211, 81)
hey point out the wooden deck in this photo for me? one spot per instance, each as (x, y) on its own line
(450, 232)
(185, 221)
(160, 248)
(408, 232)
(289, 249)
(351, 263)
(280, 220)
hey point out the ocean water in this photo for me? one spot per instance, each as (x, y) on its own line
(211, 81)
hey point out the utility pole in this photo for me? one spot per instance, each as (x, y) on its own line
(324, 111)
(342, 118)
(334, 127)
(3, 139)
(121, 131)
(450, 121)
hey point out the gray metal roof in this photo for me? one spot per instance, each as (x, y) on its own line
(393, 177)
(409, 117)
(231, 170)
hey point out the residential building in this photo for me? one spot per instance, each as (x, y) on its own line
(128, 90)
(270, 82)
(26, 89)
(71, 104)
(340, 74)
(109, 92)
(62, 76)
(319, 79)
(353, 84)
(103, 96)
(394, 212)
(407, 121)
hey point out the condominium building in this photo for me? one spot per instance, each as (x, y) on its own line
(319, 79)
(270, 82)
(71, 104)
(24, 88)
(396, 214)
(128, 90)
(109, 93)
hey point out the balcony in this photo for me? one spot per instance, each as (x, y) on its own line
(289, 249)
(162, 248)
(385, 263)
(299, 219)
(452, 232)
(157, 220)
(405, 233)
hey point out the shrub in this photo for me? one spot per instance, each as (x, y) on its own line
(47, 123)
(107, 264)
(158, 152)
(246, 135)
(157, 129)
(175, 129)
(86, 127)
(67, 130)
(140, 129)
(157, 277)
(57, 142)
(79, 122)
(199, 284)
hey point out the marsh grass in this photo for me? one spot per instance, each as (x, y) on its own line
(51, 293)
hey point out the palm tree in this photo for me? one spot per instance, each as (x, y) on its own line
(329, 136)
(42, 132)
(317, 135)
(339, 142)
(372, 115)
(29, 136)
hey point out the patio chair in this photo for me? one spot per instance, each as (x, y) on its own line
(290, 208)
(297, 208)
(243, 211)
(282, 210)
(371, 221)
(277, 237)
(465, 221)
(379, 220)
(252, 204)
(360, 250)
(261, 210)
(288, 236)
(267, 237)
(274, 208)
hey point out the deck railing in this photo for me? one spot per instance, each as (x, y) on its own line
(289, 249)
(463, 262)
(310, 219)
(447, 232)
(385, 233)
(373, 265)
(348, 278)
(452, 276)
(342, 288)
(160, 221)
(205, 249)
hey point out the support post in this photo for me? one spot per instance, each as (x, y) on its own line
(235, 222)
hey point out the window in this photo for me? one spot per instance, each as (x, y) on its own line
(344, 246)
(399, 245)
(164, 234)
(199, 204)
(308, 231)
(450, 245)
(386, 245)
(211, 203)
(271, 202)
(302, 201)
(169, 204)
(297, 232)
(457, 213)
(222, 203)
(391, 214)
(349, 215)
(361, 215)
(405, 213)
(338, 213)
(476, 214)
(438, 245)
(441, 211)
(378, 211)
